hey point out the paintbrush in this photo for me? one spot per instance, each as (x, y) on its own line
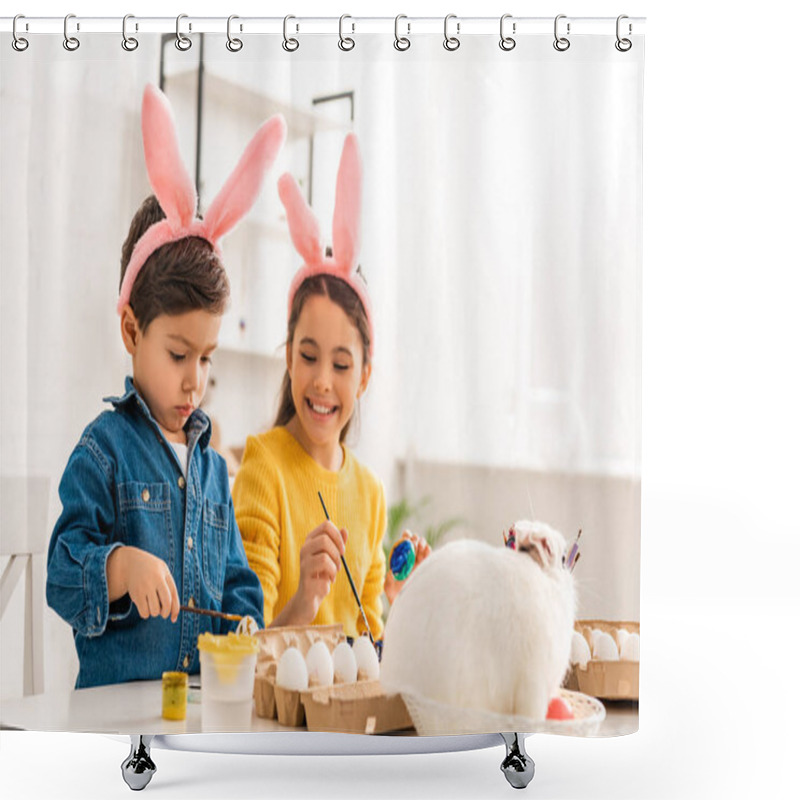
(349, 577)
(574, 555)
(209, 613)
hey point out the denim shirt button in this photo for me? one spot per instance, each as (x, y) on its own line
(186, 662)
(190, 542)
(181, 482)
(99, 615)
(146, 495)
(191, 602)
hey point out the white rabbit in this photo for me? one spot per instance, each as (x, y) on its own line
(485, 627)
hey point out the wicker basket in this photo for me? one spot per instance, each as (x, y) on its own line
(439, 719)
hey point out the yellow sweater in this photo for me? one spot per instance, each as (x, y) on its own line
(276, 504)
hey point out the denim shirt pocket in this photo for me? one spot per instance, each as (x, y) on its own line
(146, 518)
(215, 546)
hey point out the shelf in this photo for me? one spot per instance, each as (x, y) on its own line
(224, 93)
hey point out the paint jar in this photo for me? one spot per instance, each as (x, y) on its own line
(174, 688)
(227, 676)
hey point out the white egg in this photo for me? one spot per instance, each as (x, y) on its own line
(593, 637)
(345, 669)
(247, 625)
(579, 652)
(367, 664)
(292, 671)
(605, 648)
(621, 636)
(630, 652)
(320, 665)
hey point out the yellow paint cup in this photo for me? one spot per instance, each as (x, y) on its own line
(174, 687)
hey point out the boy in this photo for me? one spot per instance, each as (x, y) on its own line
(147, 524)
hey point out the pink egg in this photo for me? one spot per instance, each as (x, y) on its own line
(559, 709)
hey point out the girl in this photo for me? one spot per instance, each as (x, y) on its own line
(296, 554)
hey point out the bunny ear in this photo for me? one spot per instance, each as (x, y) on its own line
(241, 189)
(303, 224)
(168, 176)
(347, 211)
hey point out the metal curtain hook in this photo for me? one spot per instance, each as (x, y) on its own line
(345, 42)
(288, 44)
(181, 42)
(506, 42)
(70, 42)
(561, 43)
(233, 44)
(623, 45)
(18, 42)
(451, 42)
(401, 42)
(129, 43)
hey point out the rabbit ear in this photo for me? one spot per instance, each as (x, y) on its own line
(303, 224)
(347, 211)
(241, 189)
(171, 183)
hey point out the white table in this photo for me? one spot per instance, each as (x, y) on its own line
(135, 708)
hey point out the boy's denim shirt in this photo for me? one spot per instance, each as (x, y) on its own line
(123, 485)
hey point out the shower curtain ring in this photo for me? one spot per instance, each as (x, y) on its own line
(19, 43)
(451, 42)
(623, 45)
(401, 42)
(345, 42)
(289, 44)
(71, 43)
(561, 43)
(507, 42)
(129, 43)
(233, 44)
(182, 42)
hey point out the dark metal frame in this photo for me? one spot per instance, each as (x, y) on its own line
(331, 98)
(166, 38)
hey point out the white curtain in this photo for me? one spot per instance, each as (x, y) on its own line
(502, 221)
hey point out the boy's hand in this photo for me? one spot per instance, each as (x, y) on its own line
(320, 557)
(148, 581)
(391, 586)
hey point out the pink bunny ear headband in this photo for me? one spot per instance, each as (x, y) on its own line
(175, 190)
(304, 228)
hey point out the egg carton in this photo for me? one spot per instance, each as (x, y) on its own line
(432, 718)
(610, 680)
(361, 707)
(273, 641)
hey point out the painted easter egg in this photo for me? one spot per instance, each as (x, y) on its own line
(402, 559)
(559, 709)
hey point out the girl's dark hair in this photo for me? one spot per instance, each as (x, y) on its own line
(178, 277)
(344, 297)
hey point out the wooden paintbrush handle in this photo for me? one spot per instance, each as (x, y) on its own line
(209, 613)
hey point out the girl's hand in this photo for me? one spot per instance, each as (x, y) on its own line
(391, 586)
(320, 558)
(148, 581)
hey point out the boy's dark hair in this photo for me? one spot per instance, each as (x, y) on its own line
(178, 277)
(344, 297)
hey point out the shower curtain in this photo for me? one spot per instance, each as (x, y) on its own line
(501, 245)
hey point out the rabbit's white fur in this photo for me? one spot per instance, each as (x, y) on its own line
(485, 627)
